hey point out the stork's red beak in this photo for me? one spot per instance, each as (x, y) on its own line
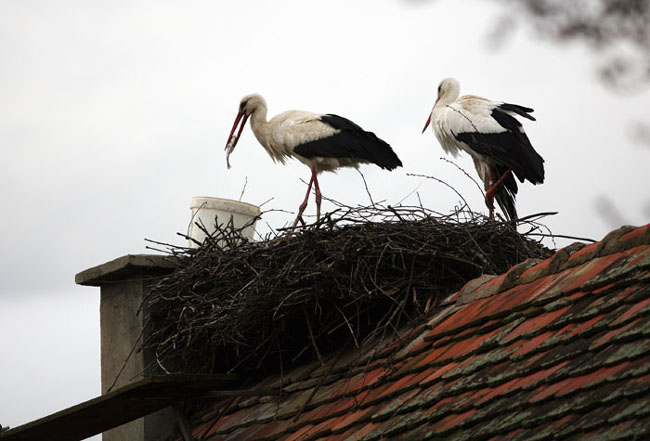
(429, 119)
(232, 141)
(427, 123)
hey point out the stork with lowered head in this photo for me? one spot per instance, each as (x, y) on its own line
(322, 142)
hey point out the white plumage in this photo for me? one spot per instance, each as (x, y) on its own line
(489, 132)
(322, 142)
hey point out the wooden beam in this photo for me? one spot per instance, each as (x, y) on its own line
(118, 407)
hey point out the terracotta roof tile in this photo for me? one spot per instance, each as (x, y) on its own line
(300, 435)
(552, 349)
(363, 430)
(636, 237)
(386, 409)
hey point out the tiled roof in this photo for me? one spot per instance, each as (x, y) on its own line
(554, 349)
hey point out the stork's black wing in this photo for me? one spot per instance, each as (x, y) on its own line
(351, 142)
(511, 148)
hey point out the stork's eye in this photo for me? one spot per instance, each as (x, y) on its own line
(439, 88)
(242, 105)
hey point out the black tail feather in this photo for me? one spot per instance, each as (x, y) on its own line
(519, 110)
(505, 195)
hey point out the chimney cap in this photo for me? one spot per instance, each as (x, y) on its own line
(126, 267)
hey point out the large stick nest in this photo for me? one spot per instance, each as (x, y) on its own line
(237, 306)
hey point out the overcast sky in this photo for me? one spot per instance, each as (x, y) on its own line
(114, 115)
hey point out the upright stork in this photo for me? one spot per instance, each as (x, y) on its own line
(322, 142)
(492, 136)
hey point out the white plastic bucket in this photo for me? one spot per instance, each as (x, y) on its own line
(207, 211)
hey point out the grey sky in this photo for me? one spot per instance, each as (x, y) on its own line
(114, 115)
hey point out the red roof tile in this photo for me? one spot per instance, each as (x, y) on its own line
(554, 349)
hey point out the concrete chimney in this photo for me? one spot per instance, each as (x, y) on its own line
(123, 283)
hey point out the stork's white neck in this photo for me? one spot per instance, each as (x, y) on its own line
(258, 118)
(259, 124)
(263, 131)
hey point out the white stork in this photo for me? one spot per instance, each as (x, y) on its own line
(322, 142)
(495, 140)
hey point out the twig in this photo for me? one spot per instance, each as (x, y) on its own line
(265, 202)
(563, 236)
(311, 335)
(243, 189)
(320, 383)
(442, 182)
(365, 184)
(136, 345)
(466, 174)
(413, 191)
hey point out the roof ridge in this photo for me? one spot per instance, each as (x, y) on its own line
(530, 270)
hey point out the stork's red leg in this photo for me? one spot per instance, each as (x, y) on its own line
(302, 207)
(318, 193)
(489, 196)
